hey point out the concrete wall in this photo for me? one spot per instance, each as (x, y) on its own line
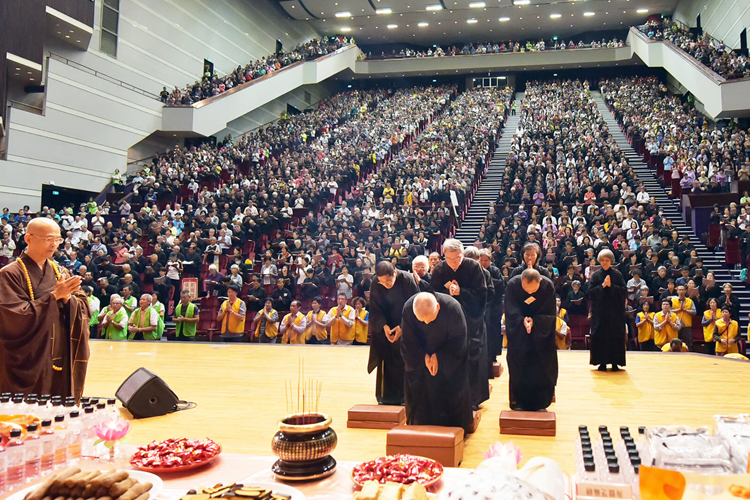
(723, 19)
(91, 120)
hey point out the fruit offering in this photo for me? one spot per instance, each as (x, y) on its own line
(174, 453)
(405, 469)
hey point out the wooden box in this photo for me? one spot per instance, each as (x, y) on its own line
(497, 369)
(376, 416)
(475, 422)
(444, 444)
(528, 423)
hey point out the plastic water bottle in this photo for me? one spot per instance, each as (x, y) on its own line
(47, 437)
(88, 436)
(101, 412)
(3, 469)
(75, 431)
(112, 412)
(5, 405)
(33, 445)
(61, 441)
(19, 407)
(16, 460)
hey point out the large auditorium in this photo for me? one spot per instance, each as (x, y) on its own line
(493, 249)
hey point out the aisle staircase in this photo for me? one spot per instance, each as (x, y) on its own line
(486, 195)
(713, 261)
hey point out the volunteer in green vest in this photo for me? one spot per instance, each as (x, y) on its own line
(117, 181)
(129, 303)
(114, 320)
(185, 317)
(158, 305)
(145, 322)
(94, 306)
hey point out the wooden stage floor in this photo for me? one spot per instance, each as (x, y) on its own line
(239, 390)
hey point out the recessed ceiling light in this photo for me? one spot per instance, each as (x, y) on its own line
(345, 13)
(588, 14)
(18, 69)
(471, 21)
(392, 26)
(642, 11)
(67, 36)
(346, 29)
(521, 2)
(554, 16)
(477, 5)
(383, 11)
(435, 7)
(423, 24)
(503, 19)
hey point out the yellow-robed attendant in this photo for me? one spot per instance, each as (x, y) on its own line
(666, 324)
(644, 321)
(725, 334)
(293, 325)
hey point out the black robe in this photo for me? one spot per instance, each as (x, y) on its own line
(532, 358)
(494, 313)
(385, 309)
(518, 270)
(443, 399)
(424, 283)
(608, 332)
(472, 297)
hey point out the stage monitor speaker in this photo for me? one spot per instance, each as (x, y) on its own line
(145, 394)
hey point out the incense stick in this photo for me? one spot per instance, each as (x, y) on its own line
(308, 396)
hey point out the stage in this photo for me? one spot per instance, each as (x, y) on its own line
(239, 390)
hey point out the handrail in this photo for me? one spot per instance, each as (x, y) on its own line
(398, 58)
(22, 105)
(242, 86)
(104, 76)
(717, 78)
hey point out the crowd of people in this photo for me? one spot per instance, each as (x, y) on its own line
(294, 215)
(697, 156)
(495, 48)
(212, 85)
(702, 156)
(710, 52)
(568, 193)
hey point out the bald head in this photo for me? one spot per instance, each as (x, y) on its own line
(42, 225)
(43, 238)
(425, 307)
(530, 280)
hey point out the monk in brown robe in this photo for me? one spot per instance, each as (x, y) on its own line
(44, 319)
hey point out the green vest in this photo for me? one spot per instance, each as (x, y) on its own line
(94, 316)
(156, 334)
(130, 302)
(183, 327)
(111, 331)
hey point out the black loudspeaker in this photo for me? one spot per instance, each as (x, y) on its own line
(144, 394)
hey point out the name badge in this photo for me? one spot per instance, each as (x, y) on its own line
(530, 300)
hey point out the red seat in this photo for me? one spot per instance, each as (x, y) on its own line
(733, 255)
(580, 327)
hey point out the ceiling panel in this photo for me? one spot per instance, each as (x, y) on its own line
(460, 22)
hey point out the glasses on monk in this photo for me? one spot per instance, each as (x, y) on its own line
(49, 239)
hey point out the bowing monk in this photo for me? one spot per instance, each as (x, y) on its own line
(44, 319)
(387, 298)
(434, 345)
(530, 315)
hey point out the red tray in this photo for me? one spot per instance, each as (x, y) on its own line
(426, 485)
(180, 468)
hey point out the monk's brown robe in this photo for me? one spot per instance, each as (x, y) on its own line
(43, 342)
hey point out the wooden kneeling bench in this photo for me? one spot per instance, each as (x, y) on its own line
(528, 423)
(376, 416)
(443, 444)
